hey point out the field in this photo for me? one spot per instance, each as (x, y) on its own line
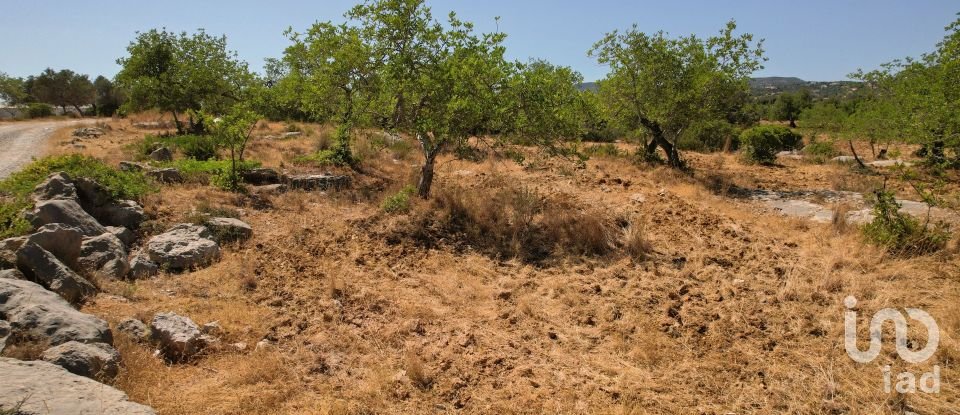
(619, 287)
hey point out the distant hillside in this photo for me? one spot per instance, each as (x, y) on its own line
(774, 85)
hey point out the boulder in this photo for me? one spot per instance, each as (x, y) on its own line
(844, 159)
(269, 189)
(88, 132)
(104, 255)
(167, 175)
(161, 154)
(91, 194)
(183, 247)
(8, 257)
(178, 337)
(5, 331)
(42, 267)
(131, 166)
(319, 182)
(12, 274)
(97, 361)
(40, 387)
(142, 267)
(134, 328)
(34, 312)
(67, 212)
(56, 186)
(97, 201)
(262, 176)
(229, 229)
(123, 233)
(61, 240)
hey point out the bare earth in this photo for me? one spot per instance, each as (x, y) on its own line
(22, 141)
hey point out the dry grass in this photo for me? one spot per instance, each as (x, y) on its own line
(613, 289)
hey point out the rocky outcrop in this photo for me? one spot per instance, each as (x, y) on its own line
(34, 312)
(61, 240)
(5, 331)
(142, 267)
(161, 154)
(124, 234)
(88, 132)
(229, 229)
(104, 255)
(261, 176)
(178, 337)
(319, 182)
(134, 329)
(97, 361)
(183, 247)
(42, 267)
(56, 186)
(167, 175)
(44, 388)
(96, 200)
(12, 274)
(131, 166)
(67, 212)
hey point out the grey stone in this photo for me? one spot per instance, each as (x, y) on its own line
(45, 388)
(88, 132)
(131, 166)
(67, 212)
(104, 255)
(142, 267)
(5, 331)
(179, 337)
(183, 247)
(123, 233)
(61, 240)
(12, 274)
(269, 189)
(134, 328)
(162, 154)
(35, 312)
(229, 229)
(889, 163)
(91, 194)
(56, 186)
(319, 182)
(97, 361)
(167, 175)
(844, 159)
(126, 213)
(262, 176)
(42, 267)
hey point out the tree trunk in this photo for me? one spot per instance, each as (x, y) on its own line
(855, 156)
(426, 176)
(176, 122)
(79, 112)
(793, 123)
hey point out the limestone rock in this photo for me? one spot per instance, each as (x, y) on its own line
(12, 274)
(56, 186)
(67, 212)
(5, 331)
(104, 255)
(142, 267)
(179, 337)
(134, 328)
(41, 266)
(33, 311)
(262, 176)
(183, 247)
(45, 388)
(229, 229)
(167, 175)
(319, 182)
(162, 154)
(122, 233)
(97, 361)
(61, 240)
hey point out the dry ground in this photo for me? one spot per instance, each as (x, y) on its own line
(725, 311)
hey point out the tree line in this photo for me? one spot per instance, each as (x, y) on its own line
(63, 88)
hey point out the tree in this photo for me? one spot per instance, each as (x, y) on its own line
(180, 73)
(12, 90)
(788, 106)
(662, 85)
(233, 131)
(61, 88)
(108, 97)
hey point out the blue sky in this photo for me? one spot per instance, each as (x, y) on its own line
(814, 40)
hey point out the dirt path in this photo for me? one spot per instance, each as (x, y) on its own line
(22, 141)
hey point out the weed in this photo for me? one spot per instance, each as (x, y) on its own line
(399, 202)
(901, 233)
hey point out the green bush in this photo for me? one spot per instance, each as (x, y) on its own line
(399, 202)
(709, 137)
(15, 190)
(603, 150)
(762, 143)
(197, 147)
(38, 110)
(900, 233)
(821, 151)
(208, 171)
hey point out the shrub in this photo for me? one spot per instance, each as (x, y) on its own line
(821, 151)
(603, 150)
(16, 189)
(399, 202)
(762, 143)
(204, 171)
(900, 233)
(709, 136)
(197, 147)
(38, 110)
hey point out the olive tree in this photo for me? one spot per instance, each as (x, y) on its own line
(662, 85)
(182, 72)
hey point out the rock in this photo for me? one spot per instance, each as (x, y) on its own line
(270, 189)
(122, 233)
(56, 186)
(167, 175)
(890, 163)
(88, 132)
(134, 328)
(60, 240)
(5, 331)
(142, 267)
(183, 247)
(12, 274)
(212, 328)
(151, 125)
(97, 361)
(67, 212)
(229, 229)
(34, 312)
(262, 176)
(238, 347)
(45, 388)
(291, 134)
(126, 213)
(131, 166)
(42, 267)
(179, 337)
(104, 255)
(319, 182)
(265, 345)
(8, 257)
(91, 194)
(162, 154)
(844, 159)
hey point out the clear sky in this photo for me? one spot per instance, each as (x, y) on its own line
(814, 39)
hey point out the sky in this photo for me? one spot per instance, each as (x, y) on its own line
(816, 40)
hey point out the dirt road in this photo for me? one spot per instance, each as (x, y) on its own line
(21, 141)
